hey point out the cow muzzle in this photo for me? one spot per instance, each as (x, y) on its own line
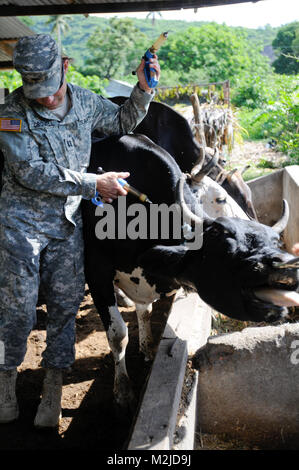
(290, 264)
(282, 289)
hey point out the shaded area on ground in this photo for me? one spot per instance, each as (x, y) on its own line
(90, 419)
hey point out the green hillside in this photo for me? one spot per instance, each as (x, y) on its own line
(263, 86)
(81, 27)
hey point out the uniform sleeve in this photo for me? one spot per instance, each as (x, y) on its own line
(109, 118)
(23, 160)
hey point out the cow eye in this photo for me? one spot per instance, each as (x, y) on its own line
(277, 242)
(214, 230)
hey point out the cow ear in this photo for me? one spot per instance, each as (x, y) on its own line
(162, 260)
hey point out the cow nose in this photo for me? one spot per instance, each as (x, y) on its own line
(275, 260)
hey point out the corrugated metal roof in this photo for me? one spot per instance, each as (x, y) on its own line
(12, 28)
(50, 7)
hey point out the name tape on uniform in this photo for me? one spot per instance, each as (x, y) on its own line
(13, 125)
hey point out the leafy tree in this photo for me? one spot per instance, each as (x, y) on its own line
(59, 26)
(12, 80)
(81, 28)
(284, 43)
(27, 20)
(217, 50)
(152, 15)
(90, 82)
(273, 113)
(295, 44)
(115, 50)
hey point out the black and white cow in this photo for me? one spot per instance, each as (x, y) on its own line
(238, 257)
(171, 131)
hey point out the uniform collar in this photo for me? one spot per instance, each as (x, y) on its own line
(44, 113)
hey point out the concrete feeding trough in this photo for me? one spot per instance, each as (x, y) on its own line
(177, 403)
(269, 191)
(248, 386)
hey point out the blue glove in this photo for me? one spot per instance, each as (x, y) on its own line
(149, 73)
(97, 201)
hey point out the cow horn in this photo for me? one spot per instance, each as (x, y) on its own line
(187, 213)
(232, 172)
(199, 172)
(281, 224)
(244, 169)
(221, 177)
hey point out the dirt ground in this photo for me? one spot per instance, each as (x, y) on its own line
(261, 157)
(253, 152)
(89, 417)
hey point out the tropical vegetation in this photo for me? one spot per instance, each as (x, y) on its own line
(261, 64)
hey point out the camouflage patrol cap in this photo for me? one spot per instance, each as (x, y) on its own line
(39, 62)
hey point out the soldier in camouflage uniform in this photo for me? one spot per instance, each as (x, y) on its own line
(45, 136)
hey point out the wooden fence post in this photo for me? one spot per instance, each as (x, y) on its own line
(199, 126)
(226, 92)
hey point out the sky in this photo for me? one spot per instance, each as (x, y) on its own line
(250, 15)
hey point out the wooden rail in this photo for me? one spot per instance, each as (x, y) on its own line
(225, 86)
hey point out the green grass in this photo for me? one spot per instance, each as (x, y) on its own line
(255, 127)
(279, 123)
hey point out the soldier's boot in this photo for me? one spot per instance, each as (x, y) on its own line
(49, 410)
(9, 409)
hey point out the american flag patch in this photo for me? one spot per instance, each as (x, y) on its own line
(13, 125)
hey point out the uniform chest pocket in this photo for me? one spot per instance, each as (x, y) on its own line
(66, 146)
(83, 143)
(55, 149)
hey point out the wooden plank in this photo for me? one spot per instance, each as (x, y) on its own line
(189, 319)
(186, 425)
(157, 415)
(190, 85)
(186, 330)
(196, 329)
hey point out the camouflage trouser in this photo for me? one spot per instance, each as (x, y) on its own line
(27, 261)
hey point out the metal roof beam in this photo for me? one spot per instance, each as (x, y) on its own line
(115, 7)
(8, 65)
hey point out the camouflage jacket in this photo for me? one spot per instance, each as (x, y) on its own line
(46, 159)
